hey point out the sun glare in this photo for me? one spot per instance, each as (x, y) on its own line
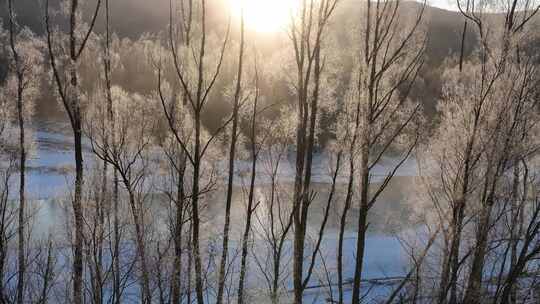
(264, 15)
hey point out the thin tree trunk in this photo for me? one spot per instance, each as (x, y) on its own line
(71, 101)
(342, 224)
(450, 268)
(77, 208)
(2, 267)
(275, 282)
(79, 168)
(138, 218)
(445, 269)
(515, 226)
(277, 243)
(116, 293)
(247, 229)
(348, 202)
(181, 199)
(48, 274)
(3, 237)
(232, 156)
(362, 220)
(116, 244)
(250, 207)
(197, 159)
(298, 255)
(298, 243)
(177, 270)
(98, 240)
(190, 264)
(195, 212)
(463, 36)
(21, 272)
(473, 293)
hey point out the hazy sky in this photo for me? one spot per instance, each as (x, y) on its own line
(445, 4)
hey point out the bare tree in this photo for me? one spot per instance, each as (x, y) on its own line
(26, 66)
(484, 101)
(307, 35)
(68, 88)
(22, 156)
(231, 173)
(107, 72)
(384, 119)
(45, 268)
(177, 196)
(175, 154)
(507, 135)
(275, 223)
(255, 147)
(128, 152)
(497, 48)
(197, 79)
(7, 170)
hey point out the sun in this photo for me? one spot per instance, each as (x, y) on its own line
(265, 16)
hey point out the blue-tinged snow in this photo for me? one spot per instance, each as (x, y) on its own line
(50, 177)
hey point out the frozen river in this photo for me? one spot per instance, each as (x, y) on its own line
(51, 177)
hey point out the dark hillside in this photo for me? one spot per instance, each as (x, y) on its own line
(138, 17)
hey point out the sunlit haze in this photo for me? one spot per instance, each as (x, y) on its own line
(264, 15)
(270, 151)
